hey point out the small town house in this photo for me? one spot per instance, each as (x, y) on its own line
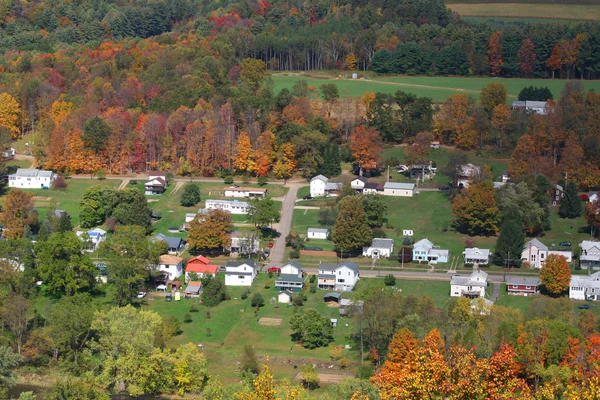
(424, 250)
(474, 255)
(340, 277)
(200, 266)
(231, 206)
(536, 252)
(171, 266)
(585, 287)
(320, 186)
(522, 285)
(156, 183)
(290, 278)
(590, 255)
(31, 178)
(94, 237)
(317, 233)
(399, 189)
(240, 273)
(174, 244)
(470, 286)
(379, 248)
(246, 192)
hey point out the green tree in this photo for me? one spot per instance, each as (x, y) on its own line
(555, 274)
(249, 360)
(300, 88)
(63, 265)
(311, 329)
(96, 133)
(263, 212)
(191, 195)
(329, 92)
(9, 361)
(257, 300)
(570, 204)
(70, 325)
(252, 74)
(389, 280)
(331, 161)
(133, 209)
(310, 377)
(375, 209)
(492, 95)
(522, 197)
(351, 230)
(214, 292)
(328, 216)
(511, 239)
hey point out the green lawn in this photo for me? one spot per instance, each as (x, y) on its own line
(233, 324)
(439, 291)
(438, 88)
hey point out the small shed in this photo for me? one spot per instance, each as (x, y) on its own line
(318, 233)
(284, 297)
(332, 296)
(193, 288)
(334, 322)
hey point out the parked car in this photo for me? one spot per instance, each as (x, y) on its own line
(307, 197)
(141, 295)
(444, 188)
(565, 244)
(234, 186)
(274, 270)
(584, 306)
(169, 297)
(313, 249)
(402, 168)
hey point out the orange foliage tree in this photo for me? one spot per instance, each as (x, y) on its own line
(494, 54)
(454, 124)
(18, 213)
(556, 274)
(365, 143)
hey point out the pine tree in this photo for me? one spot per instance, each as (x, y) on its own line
(570, 205)
(331, 164)
(510, 241)
(351, 227)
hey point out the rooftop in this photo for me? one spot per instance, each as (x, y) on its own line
(33, 173)
(320, 177)
(522, 280)
(381, 243)
(288, 278)
(249, 263)
(169, 260)
(399, 185)
(318, 230)
(535, 243)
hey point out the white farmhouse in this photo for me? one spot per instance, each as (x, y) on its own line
(399, 189)
(590, 254)
(469, 285)
(30, 178)
(466, 174)
(172, 266)
(320, 186)
(317, 233)
(474, 255)
(536, 252)
(338, 276)
(379, 248)
(240, 273)
(359, 183)
(585, 287)
(234, 207)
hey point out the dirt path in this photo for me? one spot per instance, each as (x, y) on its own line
(123, 184)
(178, 186)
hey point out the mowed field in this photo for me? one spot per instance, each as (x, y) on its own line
(438, 88)
(519, 10)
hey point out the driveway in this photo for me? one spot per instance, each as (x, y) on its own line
(285, 224)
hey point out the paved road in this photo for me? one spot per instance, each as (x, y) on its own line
(205, 180)
(496, 292)
(439, 276)
(285, 224)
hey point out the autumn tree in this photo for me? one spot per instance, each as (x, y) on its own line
(351, 230)
(494, 54)
(9, 114)
(493, 95)
(210, 231)
(365, 143)
(243, 160)
(286, 162)
(454, 124)
(555, 274)
(420, 149)
(555, 60)
(526, 57)
(252, 74)
(18, 213)
(592, 215)
(500, 121)
(475, 211)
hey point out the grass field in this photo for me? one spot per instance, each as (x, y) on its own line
(510, 20)
(518, 10)
(438, 88)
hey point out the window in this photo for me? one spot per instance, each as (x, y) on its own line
(348, 273)
(533, 257)
(515, 286)
(340, 281)
(527, 287)
(542, 255)
(241, 277)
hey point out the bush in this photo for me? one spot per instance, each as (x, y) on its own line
(191, 195)
(268, 285)
(246, 180)
(365, 372)
(298, 300)
(379, 233)
(101, 175)
(294, 253)
(245, 294)
(194, 308)
(389, 280)
(312, 279)
(187, 318)
(172, 325)
(313, 287)
(228, 180)
(261, 180)
(59, 183)
(257, 300)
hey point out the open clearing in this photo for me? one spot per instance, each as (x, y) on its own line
(438, 88)
(518, 10)
(270, 321)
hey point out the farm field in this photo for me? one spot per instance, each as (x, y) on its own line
(438, 88)
(519, 10)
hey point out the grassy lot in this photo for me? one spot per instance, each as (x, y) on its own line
(67, 199)
(438, 88)
(439, 291)
(516, 10)
(233, 324)
(507, 20)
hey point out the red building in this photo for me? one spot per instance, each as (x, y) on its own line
(522, 285)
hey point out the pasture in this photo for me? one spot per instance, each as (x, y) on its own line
(438, 88)
(520, 10)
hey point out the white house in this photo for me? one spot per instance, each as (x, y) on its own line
(379, 248)
(359, 183)
(424, 250)
(373, 188)
(320, 186)
(30, 178)
(399, 189)
(95, 235)
(538, 107)
(240, 273)
(244, 242)
(338, 276)
(469, 285)
(284, 297)
(474, 255)
(246, 192)
(584, 287)
(291, 268)
(317, 233)
(536, 252)
(172, 266)
(9, 154)
(232, 206)
(592, 196)
(590, 255)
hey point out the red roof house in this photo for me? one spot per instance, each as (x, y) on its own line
(200, 265)
(198, 260)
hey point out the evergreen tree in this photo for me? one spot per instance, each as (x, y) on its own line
(331, 161)
(570, 205)
(191, 195)
(511, 239)
(351, 230)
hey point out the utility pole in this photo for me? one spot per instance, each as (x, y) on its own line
(566, 178)
(387, 178)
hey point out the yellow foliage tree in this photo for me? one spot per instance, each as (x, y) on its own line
(351, 61)
(9, 114)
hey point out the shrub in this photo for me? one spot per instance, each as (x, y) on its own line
(246, 180)
(344, 363)
(298, 300)
(208, 314)
(312, 279)
(59, 183)
(389, 280)
(187, 318)
(294, 253)
(268, 285)
(101, 175)
(228, 180)
(313, 287)
(365, 372)
(245, 294)
(257, 300)
(194, 308)
(191, 194)
(261, 180)
(172, 325)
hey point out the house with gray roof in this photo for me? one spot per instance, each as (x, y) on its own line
(320, 186)
(290, 277)
(174, 244)
(590, 255)
(380, 247)
(424, 250)
(537, 107)
(522, 285)
(31, 178)
(399, 189)
(474, 255)
(339, 277)
(536, 252)
(584, 287)
(240, 273)
(470, 286)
